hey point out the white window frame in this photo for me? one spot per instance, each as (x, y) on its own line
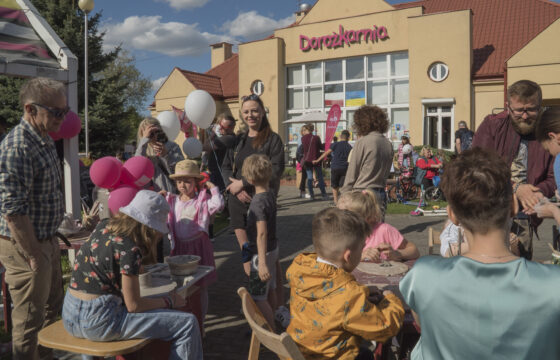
(439, 104)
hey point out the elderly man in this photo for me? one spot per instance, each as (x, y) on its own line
(370, 163)
(32, 207)
(511, 134)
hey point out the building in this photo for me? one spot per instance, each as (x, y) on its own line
(429, 63)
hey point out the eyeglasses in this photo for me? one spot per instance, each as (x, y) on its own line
(56, 112)
(530, 111)
(252, 97)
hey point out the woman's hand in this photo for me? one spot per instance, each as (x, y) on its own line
(159, 148)
(371, 254)
(235, 187)
(243, 197)
(147, 132)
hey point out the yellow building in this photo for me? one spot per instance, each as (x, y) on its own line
(429, 63)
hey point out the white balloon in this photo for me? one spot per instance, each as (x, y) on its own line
(169, 124)
(200, 108)
(192, 148)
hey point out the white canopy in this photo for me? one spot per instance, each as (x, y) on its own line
(27, 41)
(317, 116)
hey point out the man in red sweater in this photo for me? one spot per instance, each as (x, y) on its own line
(511, 134)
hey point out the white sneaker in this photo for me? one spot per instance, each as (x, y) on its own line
(282, 315)
(307, 196)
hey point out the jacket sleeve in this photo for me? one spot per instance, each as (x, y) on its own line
(373, 322)
(141, 148)
(353, 167)
(276, 155)
(548, 185)
(422, 164)
(227, 165)
(485, 134)
(216, 201)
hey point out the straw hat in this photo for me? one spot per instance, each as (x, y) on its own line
(149, 208)
(187, 168)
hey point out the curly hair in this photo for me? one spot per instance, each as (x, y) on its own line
(370, 118)
(478, 189)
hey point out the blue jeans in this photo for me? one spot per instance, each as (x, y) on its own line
(106, 319)
(319, 173)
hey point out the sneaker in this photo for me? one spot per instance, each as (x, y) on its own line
(302, 194)
(282, 315)
(307, 196)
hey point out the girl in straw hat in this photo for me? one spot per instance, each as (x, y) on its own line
(190, 216)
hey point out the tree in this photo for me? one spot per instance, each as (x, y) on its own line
(116, 88)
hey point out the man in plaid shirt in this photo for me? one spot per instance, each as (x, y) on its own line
(31, 209)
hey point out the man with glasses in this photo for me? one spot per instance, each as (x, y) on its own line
(511, 134)
(31, 209)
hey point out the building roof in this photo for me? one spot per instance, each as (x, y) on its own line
(228, 72)
(500, 28)
(221, 81)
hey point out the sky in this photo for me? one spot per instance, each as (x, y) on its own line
(163, 34)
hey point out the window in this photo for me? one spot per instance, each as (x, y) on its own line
(438, 71)
(381, 79)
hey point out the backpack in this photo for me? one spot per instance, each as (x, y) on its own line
(466, 140)
(419, 174)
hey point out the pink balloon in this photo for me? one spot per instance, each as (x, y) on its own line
(139, 170)
(70, 127)
(105, 172)
(121, 197)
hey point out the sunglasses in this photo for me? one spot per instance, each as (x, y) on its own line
(251, 97)
(56, 112)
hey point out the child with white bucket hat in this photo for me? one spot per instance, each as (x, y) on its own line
(103, 301)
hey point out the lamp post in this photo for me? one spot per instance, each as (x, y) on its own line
(86, 6)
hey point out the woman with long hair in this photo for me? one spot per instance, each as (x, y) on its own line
(103, 300)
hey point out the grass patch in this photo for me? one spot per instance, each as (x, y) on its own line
(398, 208)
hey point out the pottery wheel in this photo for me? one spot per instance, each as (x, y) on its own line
(161, 281)
(395, 268)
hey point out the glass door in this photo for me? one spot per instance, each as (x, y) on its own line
(438, 127)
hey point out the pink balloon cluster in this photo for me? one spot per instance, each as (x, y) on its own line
(70, 127)
(124, 181)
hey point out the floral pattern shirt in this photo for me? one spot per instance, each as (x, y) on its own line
(102, 260)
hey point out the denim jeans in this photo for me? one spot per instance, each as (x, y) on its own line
(106, 319)
(319, 173)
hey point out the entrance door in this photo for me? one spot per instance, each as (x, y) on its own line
(438, 127)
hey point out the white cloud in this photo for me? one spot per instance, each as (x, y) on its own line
(185, 4)
(157, 83)
(252, 26)
(150, 33)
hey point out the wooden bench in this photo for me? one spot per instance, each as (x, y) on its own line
(56, 337)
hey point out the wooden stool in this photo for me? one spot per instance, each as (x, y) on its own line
(56, 337)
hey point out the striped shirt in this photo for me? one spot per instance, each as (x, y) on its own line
(30, 180)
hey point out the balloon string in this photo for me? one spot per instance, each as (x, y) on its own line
(208, 131)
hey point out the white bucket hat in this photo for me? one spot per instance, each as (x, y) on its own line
(150, 209)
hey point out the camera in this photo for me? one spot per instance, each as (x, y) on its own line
(159, 136)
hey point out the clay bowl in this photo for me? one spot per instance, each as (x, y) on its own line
(182, 265)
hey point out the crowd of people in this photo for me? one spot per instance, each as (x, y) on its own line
(497, 193)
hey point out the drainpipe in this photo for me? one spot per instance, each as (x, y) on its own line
(505, 85)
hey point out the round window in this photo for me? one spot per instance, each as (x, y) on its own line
(257, 87)
(438, 71)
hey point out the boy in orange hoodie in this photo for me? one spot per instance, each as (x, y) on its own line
(330, 311)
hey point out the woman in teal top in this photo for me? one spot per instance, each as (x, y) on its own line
(488, 303)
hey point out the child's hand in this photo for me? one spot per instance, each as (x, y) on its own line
(264, 274)
(163, 193)
(371, 254)
(388, 251)
(209, 185)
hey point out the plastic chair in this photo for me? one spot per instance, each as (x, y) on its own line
(282, 345)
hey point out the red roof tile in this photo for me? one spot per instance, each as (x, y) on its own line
(209, 83)
(228, 72)
(500, 28)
